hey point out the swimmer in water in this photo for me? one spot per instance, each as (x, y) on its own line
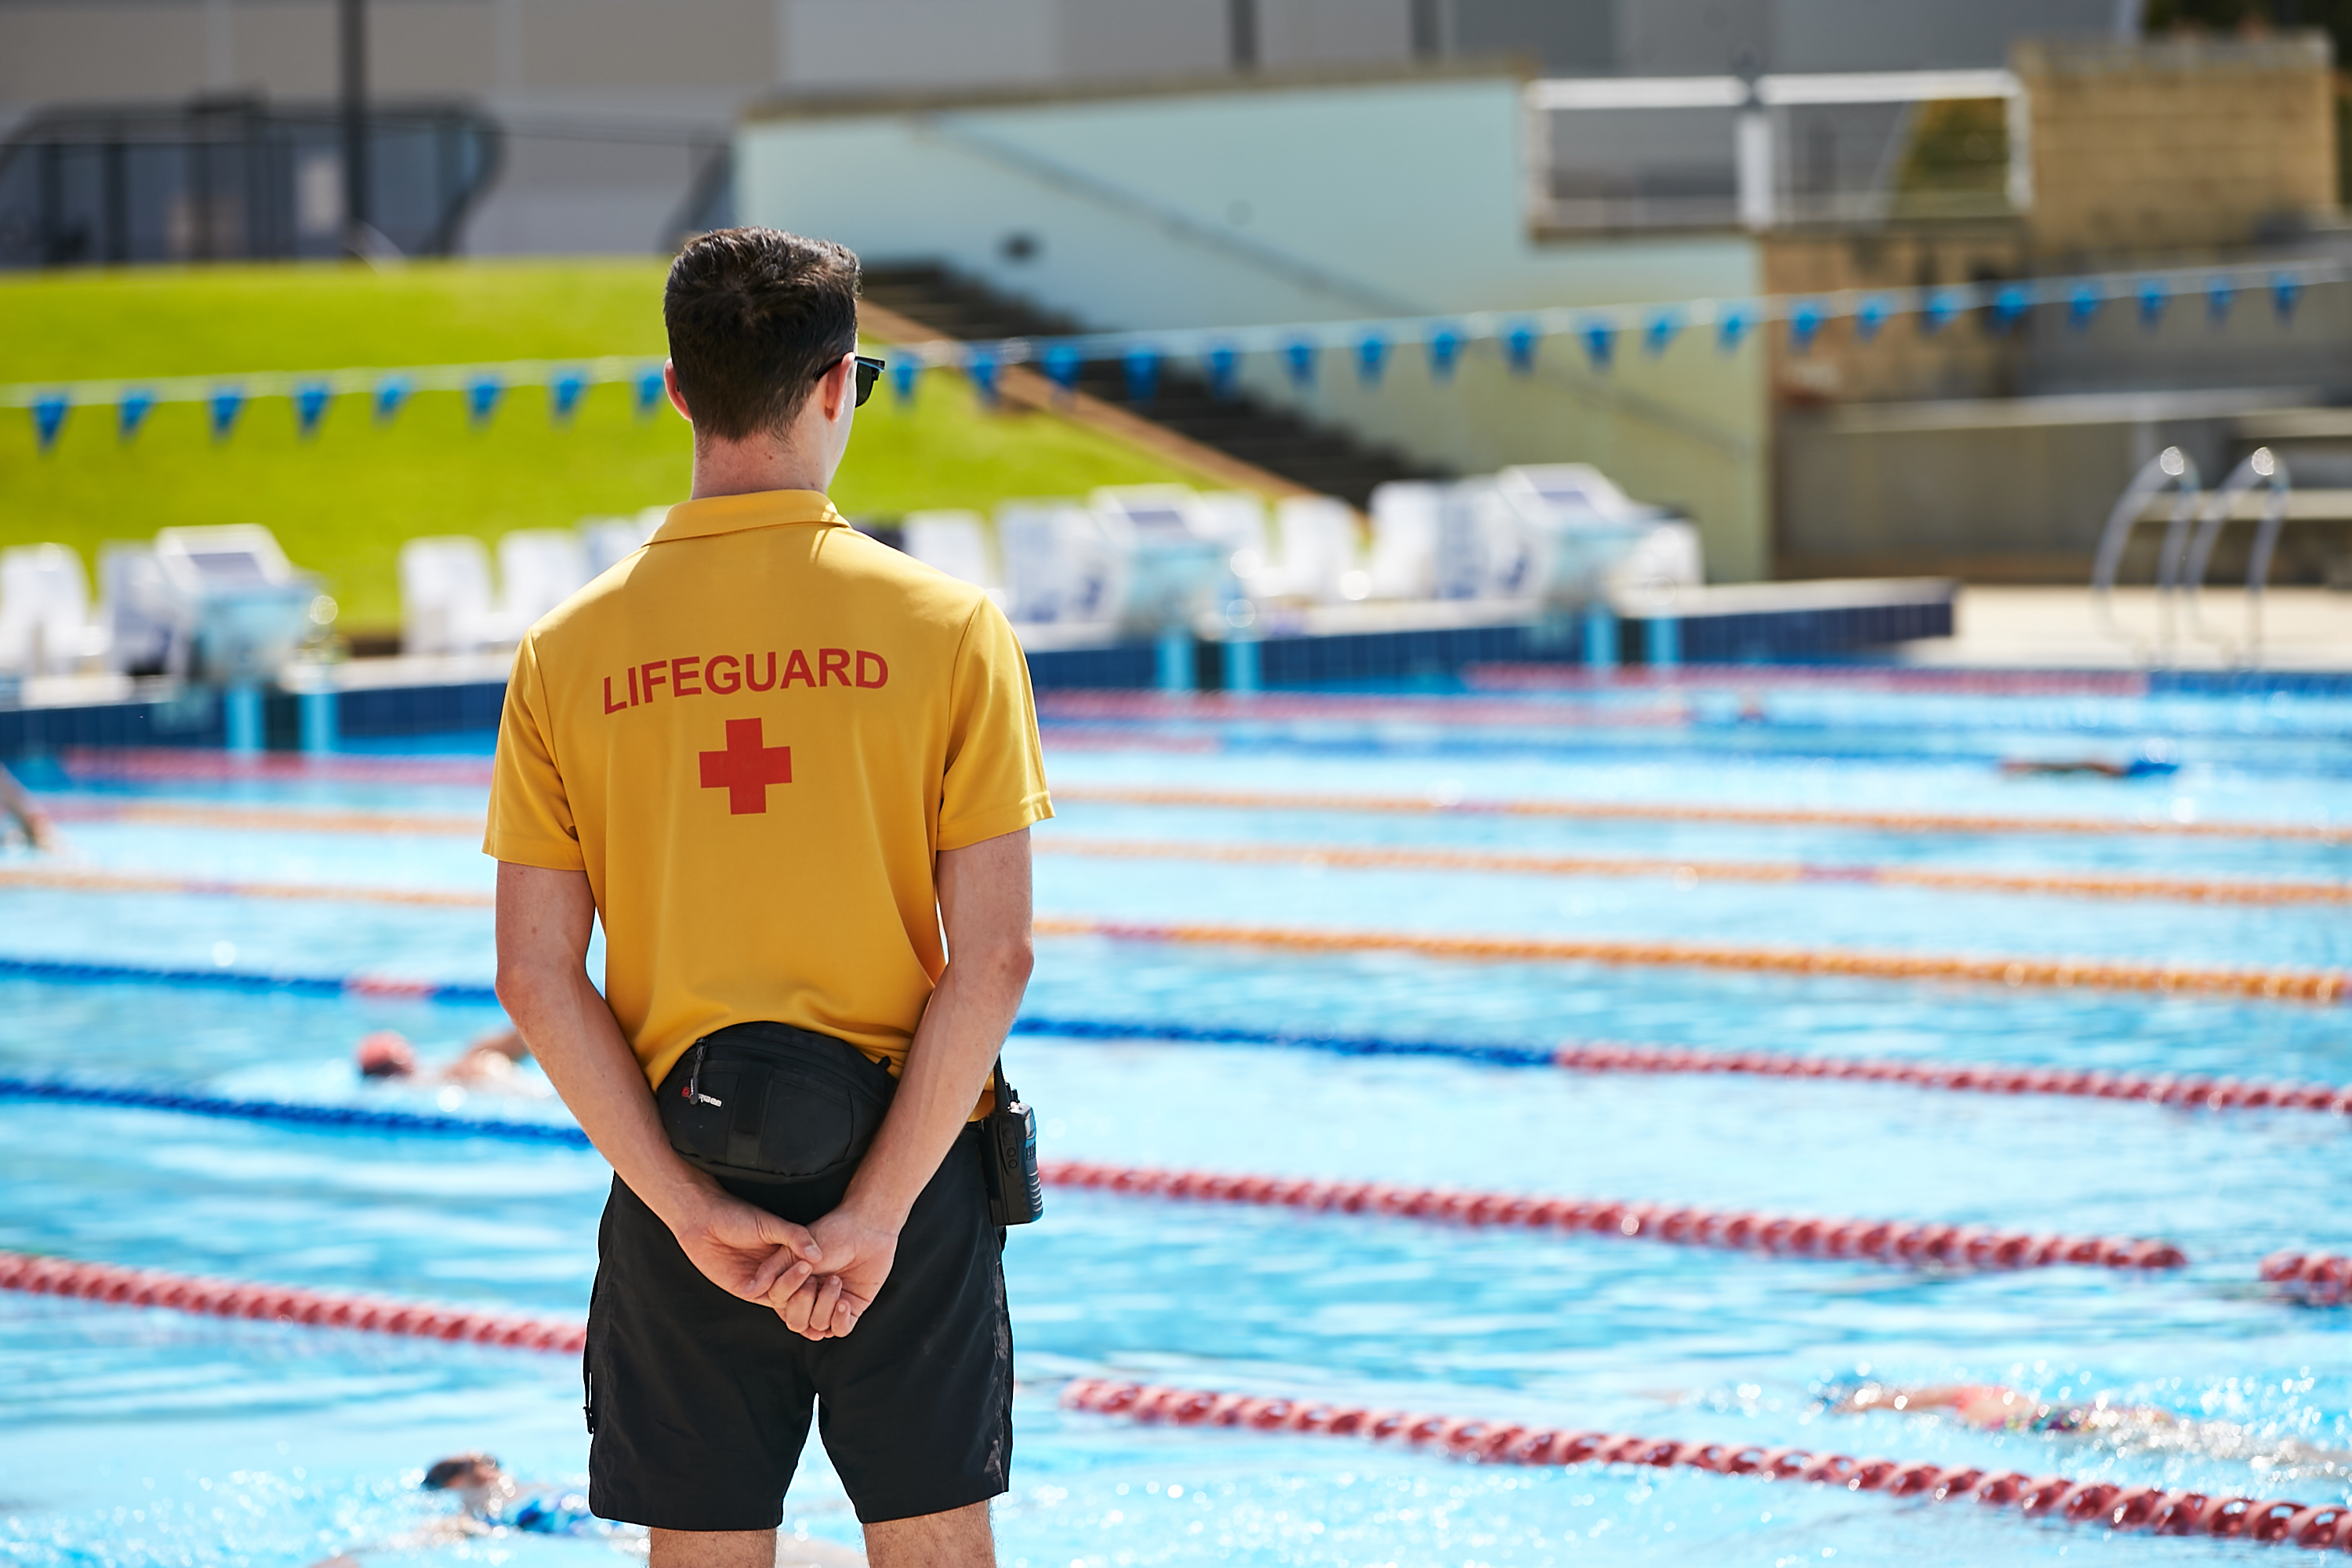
(18, 807)
(492, 1502)
(488, 1063)
(2137, 768)
(1992, 1407)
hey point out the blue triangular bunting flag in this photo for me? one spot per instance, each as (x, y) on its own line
(903, 370)
(2219, 297)
(563, 395)
(2080, 306)
(48, 418)
(1372, 358)
(130, 412)
(2010, 303)
(1804, 325)
(2151, 302)
(1519, 347)
(1143, 374)
(1869, 316)
(1063, 365)
(482, 394)
(1225, 363)
(1600, 342)
(980, 365)
(2284, 288)
(1941, 309)
(390, 394)
(225, 403)
(649, 389)
(1729, 329)
(1300, 354)
(310, 399)
(1444, 352)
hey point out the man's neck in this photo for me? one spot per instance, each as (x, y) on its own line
(747, 467)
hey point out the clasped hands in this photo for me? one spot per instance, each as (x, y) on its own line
(819, 1279)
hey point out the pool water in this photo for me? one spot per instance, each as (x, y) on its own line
(148, 1437)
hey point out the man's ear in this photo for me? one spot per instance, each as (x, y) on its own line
(835, 389)
(677, 398)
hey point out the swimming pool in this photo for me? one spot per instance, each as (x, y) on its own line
(143, 1436)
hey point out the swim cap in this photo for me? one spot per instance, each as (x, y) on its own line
(385, 1055)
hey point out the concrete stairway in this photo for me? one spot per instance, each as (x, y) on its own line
(1275, 439)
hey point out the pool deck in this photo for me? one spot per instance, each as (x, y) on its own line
(2303, 629)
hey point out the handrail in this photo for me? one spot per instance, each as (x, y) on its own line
(2171, 468)
(2261, 466)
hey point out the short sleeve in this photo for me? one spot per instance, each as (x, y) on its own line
(995, 778)
(530, 816)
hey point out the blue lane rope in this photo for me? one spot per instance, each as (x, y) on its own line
(72, 971)
(1495, 1054)
(355, 1118)
(365, 1119)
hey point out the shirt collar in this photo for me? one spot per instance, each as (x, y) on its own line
(732, 514)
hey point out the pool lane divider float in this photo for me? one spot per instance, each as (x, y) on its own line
(1339, 856)
(381, 986)
(164, 764)
(2104, 974)
(2100, 1504)
(1577, 1056)
(2086, 1502)
(1659, 811)
(1358, 857)
(108, 1283)
(1895, 1242)
(1901, 1243)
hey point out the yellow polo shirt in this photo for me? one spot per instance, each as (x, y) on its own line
(754, 735)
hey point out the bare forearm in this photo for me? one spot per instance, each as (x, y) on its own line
(947, 1064)
(573, 1035)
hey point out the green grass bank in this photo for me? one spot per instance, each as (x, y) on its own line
(343, 500)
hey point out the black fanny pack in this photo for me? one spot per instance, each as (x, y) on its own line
(782, 1116)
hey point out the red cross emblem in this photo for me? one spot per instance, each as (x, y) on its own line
(746, 768)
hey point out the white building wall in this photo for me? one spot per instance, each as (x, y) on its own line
(1323, 201)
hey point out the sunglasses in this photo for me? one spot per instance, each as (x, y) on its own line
(869, 371)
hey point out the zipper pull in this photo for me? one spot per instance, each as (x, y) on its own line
(694, 1077)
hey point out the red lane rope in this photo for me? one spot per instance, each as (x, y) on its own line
(1979, 1077)
(1654, 811)
(1899, 1242)
(2271, 1521)
(196, 762)
(2106, 974)
(2319, 1278)
(260, 818)
(273, 1303)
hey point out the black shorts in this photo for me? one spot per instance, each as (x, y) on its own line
(699, 1401)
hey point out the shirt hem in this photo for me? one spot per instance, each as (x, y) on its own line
(996, 823)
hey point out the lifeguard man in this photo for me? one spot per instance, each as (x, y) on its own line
(775, 758)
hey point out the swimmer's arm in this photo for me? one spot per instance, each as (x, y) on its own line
(984, 909)
(544, 917)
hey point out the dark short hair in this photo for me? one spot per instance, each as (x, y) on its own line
(447, 1473)
(754, 316)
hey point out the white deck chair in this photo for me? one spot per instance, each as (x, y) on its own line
(1405, 515)
(955, 543)
(44, 609)
(1059, 564)
(1319, 544)
(445, 603)
(609, 540)
(539, 568)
